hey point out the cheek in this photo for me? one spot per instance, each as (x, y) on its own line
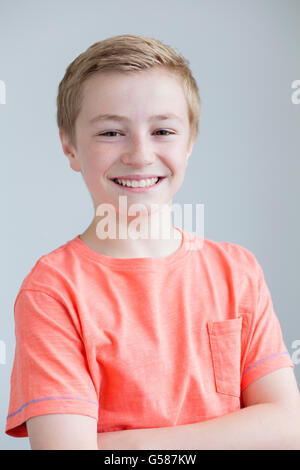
(94, 171)
(179, 166)
(179, 169)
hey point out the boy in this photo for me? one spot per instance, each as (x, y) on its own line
(125, 343)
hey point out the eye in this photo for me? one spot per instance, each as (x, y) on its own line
(116, 132)
(164, 130)
(109, 132)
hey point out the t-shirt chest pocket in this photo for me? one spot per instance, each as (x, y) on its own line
(225, 344)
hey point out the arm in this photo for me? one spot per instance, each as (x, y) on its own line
(270, 420)
(50, 375)
(62, 432)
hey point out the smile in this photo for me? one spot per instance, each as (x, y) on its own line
(138, 186)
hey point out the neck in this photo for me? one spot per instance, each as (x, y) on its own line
(126, 237)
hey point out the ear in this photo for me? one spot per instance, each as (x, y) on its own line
(69, 150)
(190, 149)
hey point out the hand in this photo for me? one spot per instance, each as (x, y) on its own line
(119, 440)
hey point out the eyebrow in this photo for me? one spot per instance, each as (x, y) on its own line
(116, 117)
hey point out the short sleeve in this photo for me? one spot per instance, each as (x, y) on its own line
(265, 350)
(50, 372)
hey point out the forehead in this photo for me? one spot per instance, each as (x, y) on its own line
(150, 91)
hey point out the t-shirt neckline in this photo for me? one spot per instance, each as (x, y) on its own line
(137, 263)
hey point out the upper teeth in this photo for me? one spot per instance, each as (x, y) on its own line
(138, 183)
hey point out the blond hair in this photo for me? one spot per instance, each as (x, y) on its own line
(123, 53)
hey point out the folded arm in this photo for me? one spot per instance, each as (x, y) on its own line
(270, 420)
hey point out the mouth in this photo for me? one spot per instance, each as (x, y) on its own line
(138, 189)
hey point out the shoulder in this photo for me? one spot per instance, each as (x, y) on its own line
(231, 267)
(229, 256)
(50, 273)
(236, 254)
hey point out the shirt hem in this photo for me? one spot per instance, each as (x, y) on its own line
(261, 368)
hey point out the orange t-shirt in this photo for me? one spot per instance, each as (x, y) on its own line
(141, 342)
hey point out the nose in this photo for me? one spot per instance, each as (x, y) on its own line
(139, 153)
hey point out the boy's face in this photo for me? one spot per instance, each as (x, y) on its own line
(139, 145)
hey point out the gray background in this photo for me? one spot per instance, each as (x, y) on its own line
(245, 165)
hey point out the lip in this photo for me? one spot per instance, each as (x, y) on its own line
(136, 177)
(140, 190)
